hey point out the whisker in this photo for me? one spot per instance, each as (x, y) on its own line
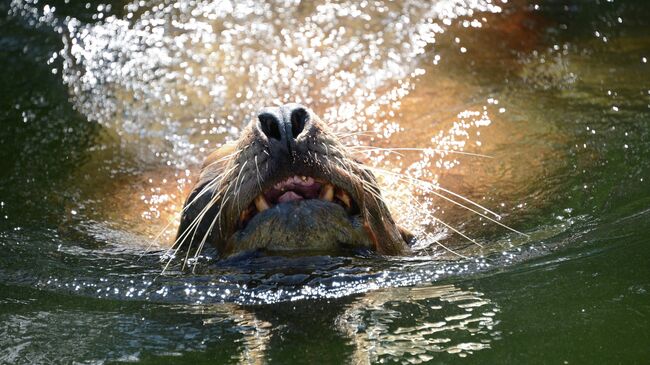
(205, 237)
(218, 215)
(413, 149)
(193, 226)
(374, 193)
(227, 157)
(459, 232)
(202, 244)
(498, 216)
(342, 135)
(430, 185)
(199, 219)
(436, 219)
(153, 240)
(452, 251)
(184, 235)
(212, 184)
(259, 177)
(203, 190)
(237, 184)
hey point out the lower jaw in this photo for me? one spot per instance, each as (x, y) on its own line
(302, 227)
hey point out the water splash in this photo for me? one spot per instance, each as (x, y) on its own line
(189, 73)
(179, 78)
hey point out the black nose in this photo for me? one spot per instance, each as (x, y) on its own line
(270, 125)
(284, 123)
(299, 117)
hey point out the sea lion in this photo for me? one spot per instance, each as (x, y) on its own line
(288, 185)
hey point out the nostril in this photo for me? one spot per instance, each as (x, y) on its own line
(270, 125)
(299, 118)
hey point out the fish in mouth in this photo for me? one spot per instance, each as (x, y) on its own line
(288, 185)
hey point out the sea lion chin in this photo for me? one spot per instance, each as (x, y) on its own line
(287, 185)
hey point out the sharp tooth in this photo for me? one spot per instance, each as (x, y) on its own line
(261, 204)
(327, 192)
(244, 215)
(304, 178)
(344, 197)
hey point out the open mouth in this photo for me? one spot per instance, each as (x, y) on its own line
(298, 188)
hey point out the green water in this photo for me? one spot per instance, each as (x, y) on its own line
(569, 167)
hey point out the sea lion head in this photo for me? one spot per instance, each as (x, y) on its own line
(288, 185)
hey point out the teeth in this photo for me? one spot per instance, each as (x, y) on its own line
(261, 204)
(244, 215)
(327, 192)
(344, 197)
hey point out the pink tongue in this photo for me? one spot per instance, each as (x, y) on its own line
(289, 196)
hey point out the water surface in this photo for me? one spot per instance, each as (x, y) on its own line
(537, 112)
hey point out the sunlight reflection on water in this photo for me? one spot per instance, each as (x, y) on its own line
(178, 79)
(174, 80)
(538, 115)
(438, 320)
(183, 77)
